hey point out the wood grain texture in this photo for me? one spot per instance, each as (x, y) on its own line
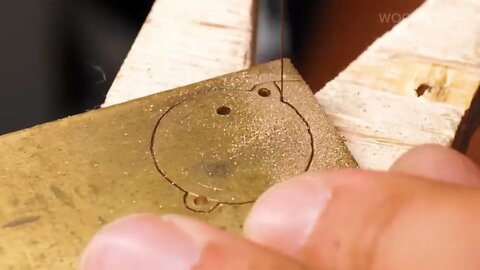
(412, 86)
(374, 103)
(185, 41)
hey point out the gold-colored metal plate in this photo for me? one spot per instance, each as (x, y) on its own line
(206, 150)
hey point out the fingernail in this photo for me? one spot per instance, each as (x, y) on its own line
(144, 242)
(285, 216)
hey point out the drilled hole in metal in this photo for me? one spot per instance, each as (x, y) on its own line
(224, 110)
(200, 200)
(264, 92)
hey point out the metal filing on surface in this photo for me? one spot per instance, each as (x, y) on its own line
(207, 150)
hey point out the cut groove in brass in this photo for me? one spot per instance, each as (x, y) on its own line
(220, 169)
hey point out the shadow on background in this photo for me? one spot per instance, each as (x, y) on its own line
(60, 57)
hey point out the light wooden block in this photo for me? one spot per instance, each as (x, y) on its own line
(374, 102)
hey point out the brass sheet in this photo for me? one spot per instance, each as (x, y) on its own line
(206, 150)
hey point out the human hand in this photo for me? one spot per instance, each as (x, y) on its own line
(422, 214)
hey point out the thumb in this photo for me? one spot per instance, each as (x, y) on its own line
(368, 220)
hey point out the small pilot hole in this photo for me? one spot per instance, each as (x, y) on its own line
(200, 200)
(421, 89)
(224, 110)
(264, 92)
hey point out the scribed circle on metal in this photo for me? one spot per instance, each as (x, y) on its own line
(227, 147)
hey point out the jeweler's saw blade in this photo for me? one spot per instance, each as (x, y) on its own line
(206, 150)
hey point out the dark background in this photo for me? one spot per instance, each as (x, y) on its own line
(59, 57)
